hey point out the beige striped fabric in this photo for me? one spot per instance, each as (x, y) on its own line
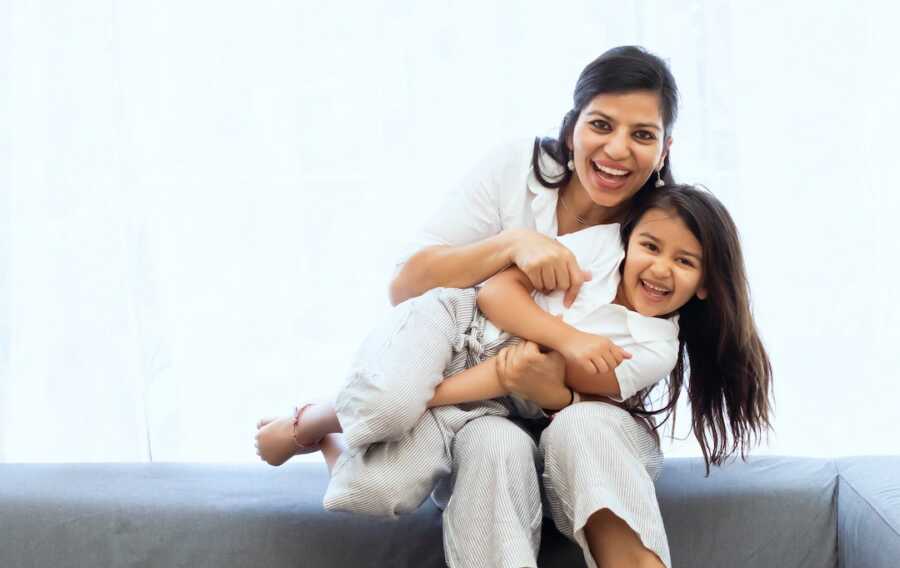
(595, 455)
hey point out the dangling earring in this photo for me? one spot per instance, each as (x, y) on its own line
(659, 179)
(571, 165)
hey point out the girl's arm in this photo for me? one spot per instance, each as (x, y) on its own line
(480, 382)
(523, 366)
(590, 359)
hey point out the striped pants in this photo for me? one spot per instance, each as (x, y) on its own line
(488, 470)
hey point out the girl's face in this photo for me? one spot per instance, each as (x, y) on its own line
(663, 265)
(618, 143)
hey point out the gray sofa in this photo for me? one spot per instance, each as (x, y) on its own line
(769, 512)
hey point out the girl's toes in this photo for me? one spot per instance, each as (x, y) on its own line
(263, 421)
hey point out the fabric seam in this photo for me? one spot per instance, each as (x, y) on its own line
(877, 511)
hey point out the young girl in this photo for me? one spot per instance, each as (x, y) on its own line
(680, 292)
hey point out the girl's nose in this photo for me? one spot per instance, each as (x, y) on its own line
(661, 268)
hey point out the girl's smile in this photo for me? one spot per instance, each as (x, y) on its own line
(663, 266)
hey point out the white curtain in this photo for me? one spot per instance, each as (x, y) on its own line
(201, 202)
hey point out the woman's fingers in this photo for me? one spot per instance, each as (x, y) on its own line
(576, 278)
(549, 276)
(562, 278)
(534, 274)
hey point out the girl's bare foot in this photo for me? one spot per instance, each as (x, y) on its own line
(279, 439)
(332, 448)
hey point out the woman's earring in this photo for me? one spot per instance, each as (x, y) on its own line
(659, 179)
(571, 165)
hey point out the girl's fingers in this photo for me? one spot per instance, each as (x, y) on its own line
(609, 360)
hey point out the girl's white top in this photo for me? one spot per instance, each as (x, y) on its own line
(503, 193)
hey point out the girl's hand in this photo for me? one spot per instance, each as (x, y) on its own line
(548, 264)
(593, 353)
(539, 377)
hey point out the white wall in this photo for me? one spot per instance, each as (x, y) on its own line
(202, 201)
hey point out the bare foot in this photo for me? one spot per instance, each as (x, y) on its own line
(279, 439)
(332, 448)
(275, 443)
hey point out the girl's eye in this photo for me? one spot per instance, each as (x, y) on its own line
(686, 262)
(644, 135)
(600, 124)
(650, 246)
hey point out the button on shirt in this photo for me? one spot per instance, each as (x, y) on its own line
(502, 193)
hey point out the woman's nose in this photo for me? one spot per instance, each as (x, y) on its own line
(617, 146)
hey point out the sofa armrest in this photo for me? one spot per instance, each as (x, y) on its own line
(869, 512)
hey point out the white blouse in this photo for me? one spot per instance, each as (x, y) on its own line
(501, 193)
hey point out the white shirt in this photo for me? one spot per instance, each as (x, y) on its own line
(652, 341)
(501, 193)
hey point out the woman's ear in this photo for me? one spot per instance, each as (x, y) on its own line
(666, 145)
(701, 293)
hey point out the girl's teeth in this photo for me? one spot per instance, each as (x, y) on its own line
(653, 288)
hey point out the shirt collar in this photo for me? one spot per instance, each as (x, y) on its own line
(543, 206)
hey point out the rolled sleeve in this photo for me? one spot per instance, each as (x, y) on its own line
(650, 363)
(473, 209)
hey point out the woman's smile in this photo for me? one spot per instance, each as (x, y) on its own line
(609, 176)
(617, 143)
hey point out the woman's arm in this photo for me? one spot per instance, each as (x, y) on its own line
(545, 264)
(452, 266)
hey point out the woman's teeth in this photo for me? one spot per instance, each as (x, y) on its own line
(610, 171)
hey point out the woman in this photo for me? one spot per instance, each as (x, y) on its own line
(613, 143)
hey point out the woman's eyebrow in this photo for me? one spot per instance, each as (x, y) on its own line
(608, 118)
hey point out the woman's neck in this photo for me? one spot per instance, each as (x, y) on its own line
(576, 211)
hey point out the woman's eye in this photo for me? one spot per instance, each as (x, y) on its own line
(650, 246)
(645, 135)
(600, 124)
(686, 262)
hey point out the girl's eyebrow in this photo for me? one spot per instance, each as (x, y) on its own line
(682, 251)
(608, 118)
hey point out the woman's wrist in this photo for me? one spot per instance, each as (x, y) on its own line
(509, 239)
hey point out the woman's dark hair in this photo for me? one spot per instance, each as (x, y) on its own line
(730, 376)
(619, 70)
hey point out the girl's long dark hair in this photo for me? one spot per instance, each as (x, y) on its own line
(619, 70)
(720, 353)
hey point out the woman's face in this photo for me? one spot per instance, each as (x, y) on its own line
(618, 142)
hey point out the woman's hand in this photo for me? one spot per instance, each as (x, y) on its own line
(593, 353)
(548, 264)
(539, 377)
